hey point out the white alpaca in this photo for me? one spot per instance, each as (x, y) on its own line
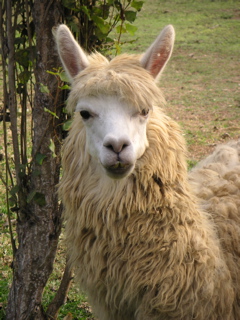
(142, 246)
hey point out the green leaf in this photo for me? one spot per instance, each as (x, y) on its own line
(137, 5)
(20, 88)
(63, 76)
(118, 47)
(121, 29)
(67, 125)
(22, 57)
(74, 24)
(43, 88)
(101, 11)
(14, 190)
(24, 76)
(53, 73)
(64, 110)
(39, 158)
(52, 148)
(52, 113)
(105, 11)
(13, 200)
(86, 11)
(36, 173)
(30, 196)
(19, 40)
(102, 25)
(65, 87)
(39, 198)
(68, 3)
(130, 15)
(131, 29)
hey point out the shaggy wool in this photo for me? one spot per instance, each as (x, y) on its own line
(157, 244)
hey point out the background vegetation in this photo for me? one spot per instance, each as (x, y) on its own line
(202, 88)
(33, 102)
(201, 82)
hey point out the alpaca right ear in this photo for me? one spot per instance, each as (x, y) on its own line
(73, 58)
(156, 57)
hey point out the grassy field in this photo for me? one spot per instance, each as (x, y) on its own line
(202, 81)
(202, 87)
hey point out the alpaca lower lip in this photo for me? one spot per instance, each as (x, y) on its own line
(118, 170)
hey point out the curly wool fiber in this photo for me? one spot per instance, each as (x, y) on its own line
(158, 244)
(161, 247)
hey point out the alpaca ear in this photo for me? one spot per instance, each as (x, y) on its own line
(73, 58)
(156, 57)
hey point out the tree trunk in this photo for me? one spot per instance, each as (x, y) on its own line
(39, 222)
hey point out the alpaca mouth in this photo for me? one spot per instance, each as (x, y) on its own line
(118, 170)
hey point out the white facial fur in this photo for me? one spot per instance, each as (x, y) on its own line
(115, 133)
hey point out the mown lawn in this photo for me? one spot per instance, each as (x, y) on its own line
(202, 87)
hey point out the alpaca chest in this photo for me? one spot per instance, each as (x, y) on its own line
(129, 251)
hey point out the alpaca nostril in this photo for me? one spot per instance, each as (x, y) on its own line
(117, 148)
(116, 145)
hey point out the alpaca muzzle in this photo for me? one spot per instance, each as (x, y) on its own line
(118, 170)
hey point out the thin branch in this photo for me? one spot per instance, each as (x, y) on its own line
(12, 103)
(14, 249)
(61, 295)
(28, 26)
(7, 166)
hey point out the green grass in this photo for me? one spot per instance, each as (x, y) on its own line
(5, 259)
(201, 82)
(202, 87)
(199, 25)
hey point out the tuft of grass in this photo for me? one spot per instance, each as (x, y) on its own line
(5, 260)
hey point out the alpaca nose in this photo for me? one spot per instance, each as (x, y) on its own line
(116, 144)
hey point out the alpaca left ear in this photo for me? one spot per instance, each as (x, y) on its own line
(156, 57)
(73, 58)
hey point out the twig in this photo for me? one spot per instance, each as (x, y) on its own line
(61, 295)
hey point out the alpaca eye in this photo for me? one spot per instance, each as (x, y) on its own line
(85, 114)
(144, 112)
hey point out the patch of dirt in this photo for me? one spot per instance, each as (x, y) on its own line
(204, 129)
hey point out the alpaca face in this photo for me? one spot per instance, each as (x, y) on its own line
(111, 98)
(115, 133)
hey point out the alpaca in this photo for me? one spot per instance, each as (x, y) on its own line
(146, 240)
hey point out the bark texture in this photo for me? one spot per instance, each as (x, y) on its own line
(39, 222)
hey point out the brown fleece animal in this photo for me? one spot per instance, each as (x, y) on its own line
(145, 240)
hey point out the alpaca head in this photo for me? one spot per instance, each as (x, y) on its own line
(114, 98)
